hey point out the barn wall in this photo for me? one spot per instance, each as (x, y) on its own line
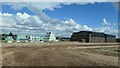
(97, 40)
(81, 37)
(92, 37)
(75, 37)
(110, 38)
(118, 40)
(96, 37)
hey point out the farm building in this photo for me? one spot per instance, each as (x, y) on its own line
(49, 37)
(118, 40)
(110, 38)
(36, 39)
(92, 37)
(22, 38)
(8, 37)
(46, 38)
(3, 37)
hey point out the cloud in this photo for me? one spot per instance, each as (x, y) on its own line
(6, 14)
(23, 16)
(38, 7)
(105, 23)
(60, 0)
(87, 28)
(32, 24)
(23, 23)
(33, 5)
(5, 18)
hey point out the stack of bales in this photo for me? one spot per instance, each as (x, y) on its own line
(92, 37)
(118, 40)
(82, 36)
(109, 38)
(96, 37)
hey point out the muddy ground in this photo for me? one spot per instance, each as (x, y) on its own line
(59, 54)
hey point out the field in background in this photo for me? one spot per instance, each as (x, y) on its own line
(60, 54)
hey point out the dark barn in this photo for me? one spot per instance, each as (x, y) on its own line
(118, 40)
(110, 38)
(92, 37)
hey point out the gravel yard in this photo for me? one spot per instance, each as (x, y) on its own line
(59, 54)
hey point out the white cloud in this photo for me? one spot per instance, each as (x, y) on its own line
(33, 5)
(70, 22)
(29, 24)
(39, 6)
(5, 18)
(87, 28)
(60, 0)
(35, 25)
(107, 30)
(5, 14)
(105, 23)
(21, 22)
(23, 16)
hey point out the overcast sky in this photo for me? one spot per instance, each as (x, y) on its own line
(62, 18)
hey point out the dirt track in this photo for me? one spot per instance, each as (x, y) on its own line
(55, 55)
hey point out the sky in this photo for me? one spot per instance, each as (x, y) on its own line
(61, 18)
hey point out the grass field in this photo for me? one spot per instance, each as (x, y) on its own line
(60, 54)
